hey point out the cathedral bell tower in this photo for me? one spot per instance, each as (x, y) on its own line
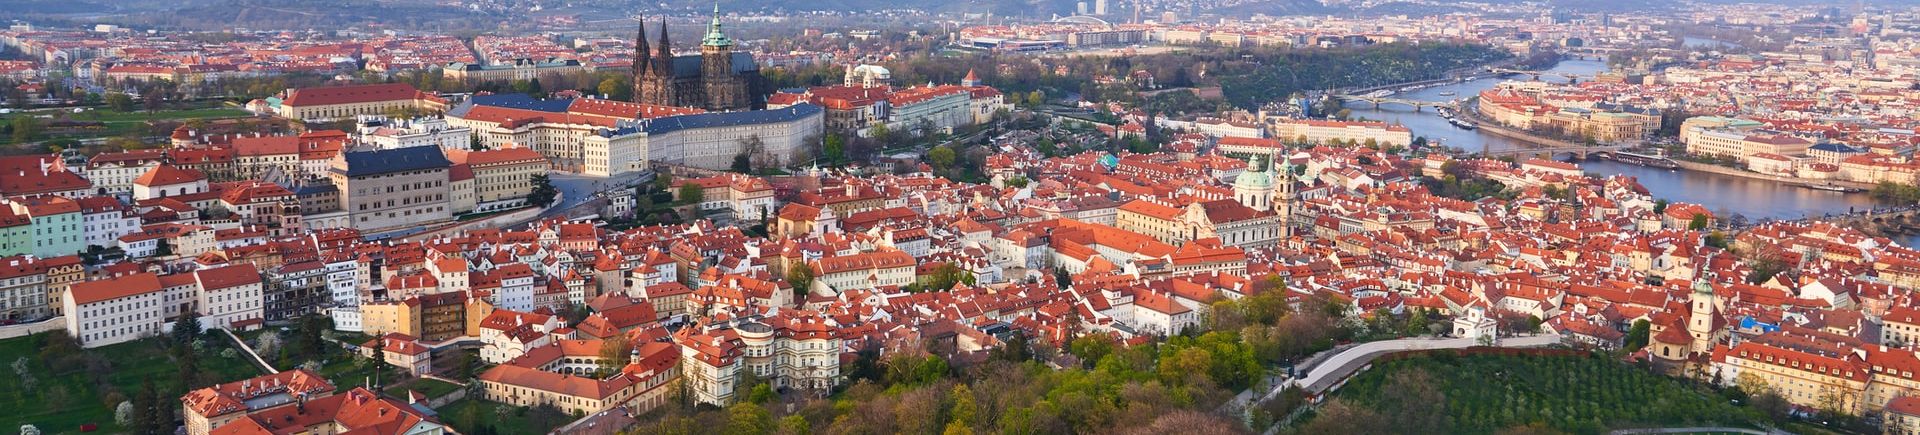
(716, 69)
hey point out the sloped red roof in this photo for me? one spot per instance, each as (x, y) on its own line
(357, 94)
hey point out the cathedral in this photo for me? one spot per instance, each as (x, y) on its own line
(716, 79)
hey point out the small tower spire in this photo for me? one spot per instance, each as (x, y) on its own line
(715, 37)
(642, 54)
(663, 59)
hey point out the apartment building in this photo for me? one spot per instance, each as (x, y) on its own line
(345, 102)
(388, 189)
(115, 310)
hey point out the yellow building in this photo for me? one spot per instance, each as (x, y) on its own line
(561, 375)
(1902, 416)
(345, 102)
(502, 174)
(1815, 380)
(1154, 220)
(1738, 144)
(389, 317)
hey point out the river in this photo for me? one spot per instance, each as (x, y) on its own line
(1725, 195)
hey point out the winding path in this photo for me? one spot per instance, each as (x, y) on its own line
(1331, 370)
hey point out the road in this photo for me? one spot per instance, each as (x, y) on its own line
(576, 189)
(1702, 429)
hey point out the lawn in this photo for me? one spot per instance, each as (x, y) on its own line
(61, 403)
(1578, 394)
(468, 414)
(129, 122)
(433, 388)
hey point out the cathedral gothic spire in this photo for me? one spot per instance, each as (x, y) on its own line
(663, 62)
(642, 55)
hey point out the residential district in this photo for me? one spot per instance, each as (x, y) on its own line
(426, 224)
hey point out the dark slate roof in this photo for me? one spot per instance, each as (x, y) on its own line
(720, 119)
(1627, 108)
(688, 65)
(519, 101)
(375, 162)
(1834, 147)
(316, 187)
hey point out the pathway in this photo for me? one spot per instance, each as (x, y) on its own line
(1338, 367)
(249, 350)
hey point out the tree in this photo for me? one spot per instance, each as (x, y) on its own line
(881, 133)
(186, 329)
(378, 362)
(941, 157)
(662, 182)
(140, 411)
(616, 87)
(761, 393)
(1659, 206)
(25, 129)
(153, 99)
(946, 275)
(1036, 98)
(796, 424)
(691, 193)
(1699, 222)
(543, 192)
(834, 149)
(963, 411)
(748, 419)
(800, 276)
(1637, 335)
(742, 163)
(1091, 348)
(615, 353)
(119, 102)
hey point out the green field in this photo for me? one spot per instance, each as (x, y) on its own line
(1488, 393)
(466, 415)
(61, 401)
(119, 124)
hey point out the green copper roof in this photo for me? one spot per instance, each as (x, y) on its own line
(714, 36)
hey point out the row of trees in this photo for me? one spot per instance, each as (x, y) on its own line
(1131, 390)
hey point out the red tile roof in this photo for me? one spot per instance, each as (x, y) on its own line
(166, 174)
(108, 289)
(227, 277)
(357, 94)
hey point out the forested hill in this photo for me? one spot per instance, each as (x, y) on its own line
(1248, 84)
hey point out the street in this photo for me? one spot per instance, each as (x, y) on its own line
(576, 189)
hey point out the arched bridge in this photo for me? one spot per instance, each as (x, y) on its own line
(1578, 152)
(1377, 102)
(1893, 219)
(1537, 74)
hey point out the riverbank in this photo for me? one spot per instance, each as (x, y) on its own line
(1471, 110)
(1722, 170)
